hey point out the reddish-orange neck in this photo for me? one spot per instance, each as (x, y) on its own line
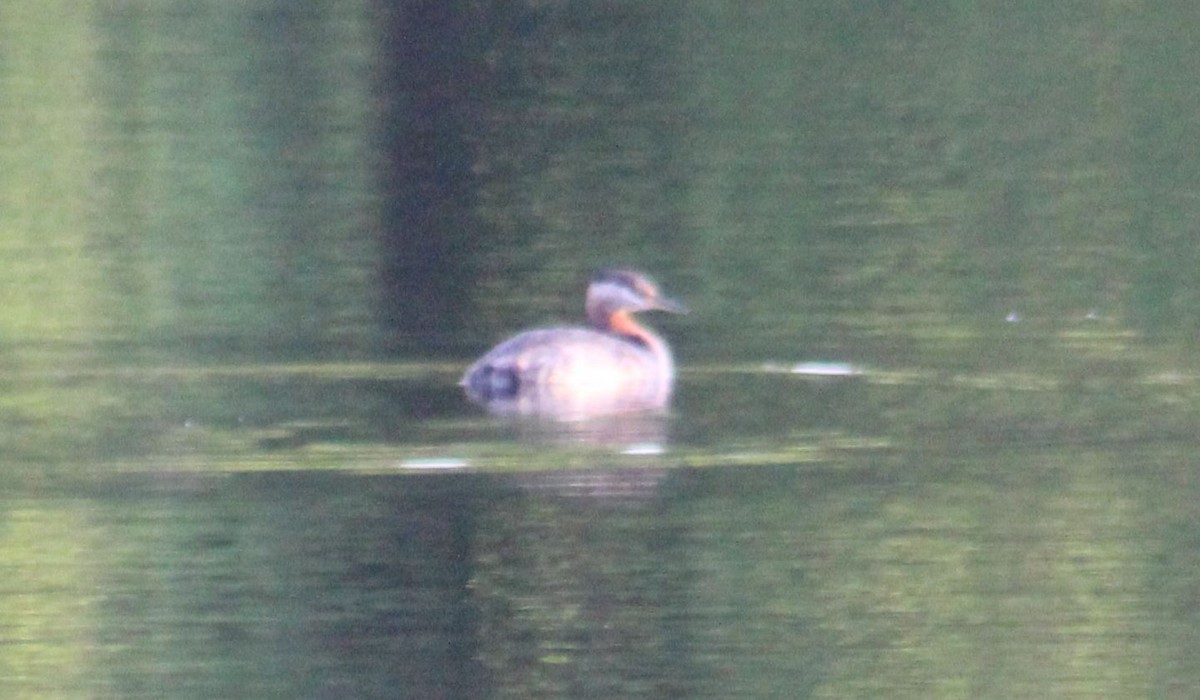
(623, 323)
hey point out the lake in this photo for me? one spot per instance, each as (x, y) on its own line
(934, 429)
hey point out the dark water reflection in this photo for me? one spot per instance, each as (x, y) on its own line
(1036, 573)
(341, 531)
(241, 587)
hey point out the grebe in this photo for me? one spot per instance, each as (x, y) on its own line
(616, 365)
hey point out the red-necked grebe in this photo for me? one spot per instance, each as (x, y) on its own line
(616, 365)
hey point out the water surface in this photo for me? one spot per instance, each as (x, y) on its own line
(934, 430)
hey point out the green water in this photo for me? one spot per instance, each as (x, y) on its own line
(246, 252)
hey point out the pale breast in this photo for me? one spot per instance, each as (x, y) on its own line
(572, 370)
